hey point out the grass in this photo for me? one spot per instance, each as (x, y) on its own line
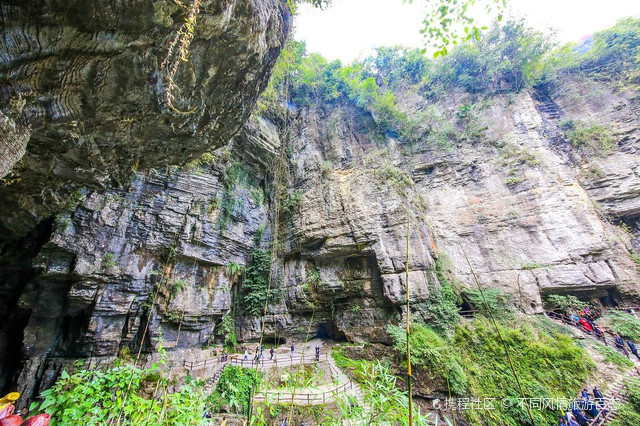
(549, 365)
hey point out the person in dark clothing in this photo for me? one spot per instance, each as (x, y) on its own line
(591, 409)
(580, 418)
(293, 348)
(271, 352)
(317, 353)
(561, 421)
(585, 394)
(633, 348)
(620, 345)
(598, 395)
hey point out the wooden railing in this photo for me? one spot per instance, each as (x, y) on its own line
(600, 419)
(282, 361)
(304, 398)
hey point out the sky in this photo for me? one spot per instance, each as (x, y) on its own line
(349, 29)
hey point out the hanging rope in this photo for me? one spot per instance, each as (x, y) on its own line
(409, 376)
(495, 325)
(295, 383)
(169, 259)
(279, 176)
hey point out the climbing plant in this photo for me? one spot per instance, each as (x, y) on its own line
(255, 281)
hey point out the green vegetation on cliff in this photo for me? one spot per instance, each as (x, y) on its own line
(549, 365)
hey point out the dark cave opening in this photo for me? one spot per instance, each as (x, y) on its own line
(328, 330)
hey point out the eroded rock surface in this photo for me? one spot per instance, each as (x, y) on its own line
(84, 83)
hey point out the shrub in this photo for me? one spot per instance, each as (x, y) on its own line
(430, 350)
(441, 310)
(233, 390)
(624, 324)
(568, 304)
(548, 366)
(97, 397)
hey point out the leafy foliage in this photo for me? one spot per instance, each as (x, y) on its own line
(430, 350)
(548, 366)
(441, 310)
(384, 403)
(624, 324)
(233, 390)
(445, 16)
(595, 137)
(227, 329)
(611, 53)
(255, 283)
(97, 397)
(568, 304)
(499, 302)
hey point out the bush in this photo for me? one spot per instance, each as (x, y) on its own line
(233, 390)
(441, 310)
(97, 397)
(626, 325)
(548, 366)
(430, 350)
(567, 304)
(595, 137)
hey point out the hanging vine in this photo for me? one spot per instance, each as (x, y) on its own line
(178, 52)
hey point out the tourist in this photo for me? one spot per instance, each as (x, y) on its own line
(580, 418)
(585, 394)
(261, 351)
(246, 355)
(633, 348)
(292, 350)
(561, 421)
(317, 353)
(585, 325)
(591, 409)
(271, 352)
(224, 421)
(597, 394)
(620, 345)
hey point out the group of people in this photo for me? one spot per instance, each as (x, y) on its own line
(259, 355)
(586, 320)
(584, 411)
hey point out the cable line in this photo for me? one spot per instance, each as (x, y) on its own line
(504, 344)
(295, 383)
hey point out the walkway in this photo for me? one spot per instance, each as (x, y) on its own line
(617, 390)
(323, 394)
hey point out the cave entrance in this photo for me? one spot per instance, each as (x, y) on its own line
(328, 330)
(612, 299)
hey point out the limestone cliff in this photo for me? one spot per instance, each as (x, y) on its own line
(493, 179)
(84, 102)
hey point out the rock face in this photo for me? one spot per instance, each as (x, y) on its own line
(132, 264)
(501, 191)
(84, 84)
